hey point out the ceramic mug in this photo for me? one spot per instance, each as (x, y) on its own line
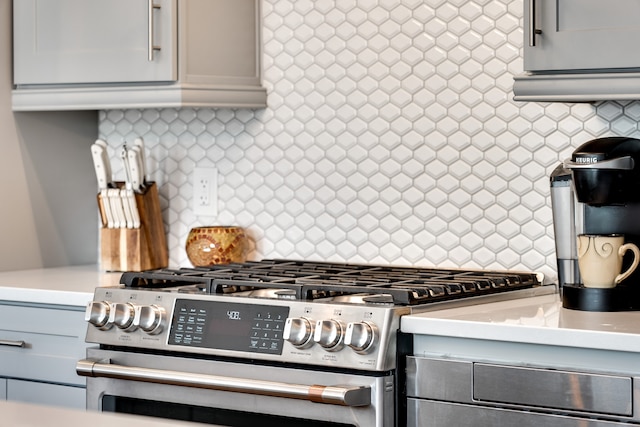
(600, 259)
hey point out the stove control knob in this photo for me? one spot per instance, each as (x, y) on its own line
(150, 318)
(329, 334)
(97, 313)
(121, 315)
(361, 336)
(298, 331)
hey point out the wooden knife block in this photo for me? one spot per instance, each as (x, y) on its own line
(138, 249)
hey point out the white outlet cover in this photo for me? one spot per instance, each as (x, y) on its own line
(205, 191)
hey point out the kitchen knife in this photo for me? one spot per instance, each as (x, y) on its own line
(119, 220)
(106, 207)
(107, 164)
(127, 209)
(130, 208)
(133, 207)
(135, 170)
(103, 175)
(139, 142)
(101, 165)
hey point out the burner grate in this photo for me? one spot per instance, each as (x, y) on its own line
(316, 280)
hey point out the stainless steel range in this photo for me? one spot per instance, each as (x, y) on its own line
(275, 342)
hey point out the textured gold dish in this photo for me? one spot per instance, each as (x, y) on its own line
(216, 245)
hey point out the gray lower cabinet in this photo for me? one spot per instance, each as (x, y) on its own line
(46, 394)
(39, 348)
(96, 54)
(580, 50)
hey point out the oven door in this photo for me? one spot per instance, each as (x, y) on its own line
(234, 394)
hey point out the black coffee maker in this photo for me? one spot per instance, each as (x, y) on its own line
(597, 191)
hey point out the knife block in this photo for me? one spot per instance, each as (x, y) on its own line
(136, 249)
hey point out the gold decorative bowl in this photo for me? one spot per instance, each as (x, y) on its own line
(216, 245)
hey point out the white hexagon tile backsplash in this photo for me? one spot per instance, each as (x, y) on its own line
(390, 137)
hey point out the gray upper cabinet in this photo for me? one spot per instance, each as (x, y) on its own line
(96, 54)
(105, 42)
(580, 51)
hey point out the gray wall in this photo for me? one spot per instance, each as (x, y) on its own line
(47, 197)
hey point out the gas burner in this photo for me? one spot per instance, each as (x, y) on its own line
(189, 289)
(379, 299)
(268, 293)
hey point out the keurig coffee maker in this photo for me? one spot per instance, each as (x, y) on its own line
(597, 191)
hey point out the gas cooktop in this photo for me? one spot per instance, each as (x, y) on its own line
(339, 282)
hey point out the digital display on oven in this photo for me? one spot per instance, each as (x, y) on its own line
(228, 326)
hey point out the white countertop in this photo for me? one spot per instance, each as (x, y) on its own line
(17, 414)
(535, 320)
(72, 286)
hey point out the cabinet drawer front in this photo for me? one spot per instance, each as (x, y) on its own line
(49, 321)
(3, 389)
(607, 394)
(53, 343)
(46, 394)
(427, 413)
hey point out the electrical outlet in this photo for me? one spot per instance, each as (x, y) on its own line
(205, 191)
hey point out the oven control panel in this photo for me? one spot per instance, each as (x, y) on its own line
(307, 332)
(253, 328)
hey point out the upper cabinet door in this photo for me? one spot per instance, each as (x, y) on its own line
(581, 35)
(105, 41)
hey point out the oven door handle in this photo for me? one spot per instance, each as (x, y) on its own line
(335, 395)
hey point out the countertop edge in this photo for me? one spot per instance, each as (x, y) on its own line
(553, 325)
(68, 286)
(45, 296)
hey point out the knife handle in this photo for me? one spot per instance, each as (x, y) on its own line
(116, 208)
(134, 168)
(139, 142)
(126, 207)
(98, 154)
(107, 164)
(106, 205)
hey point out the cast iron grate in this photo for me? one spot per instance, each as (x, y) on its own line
(310, 280)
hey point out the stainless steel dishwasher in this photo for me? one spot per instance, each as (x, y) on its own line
(446, 392)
